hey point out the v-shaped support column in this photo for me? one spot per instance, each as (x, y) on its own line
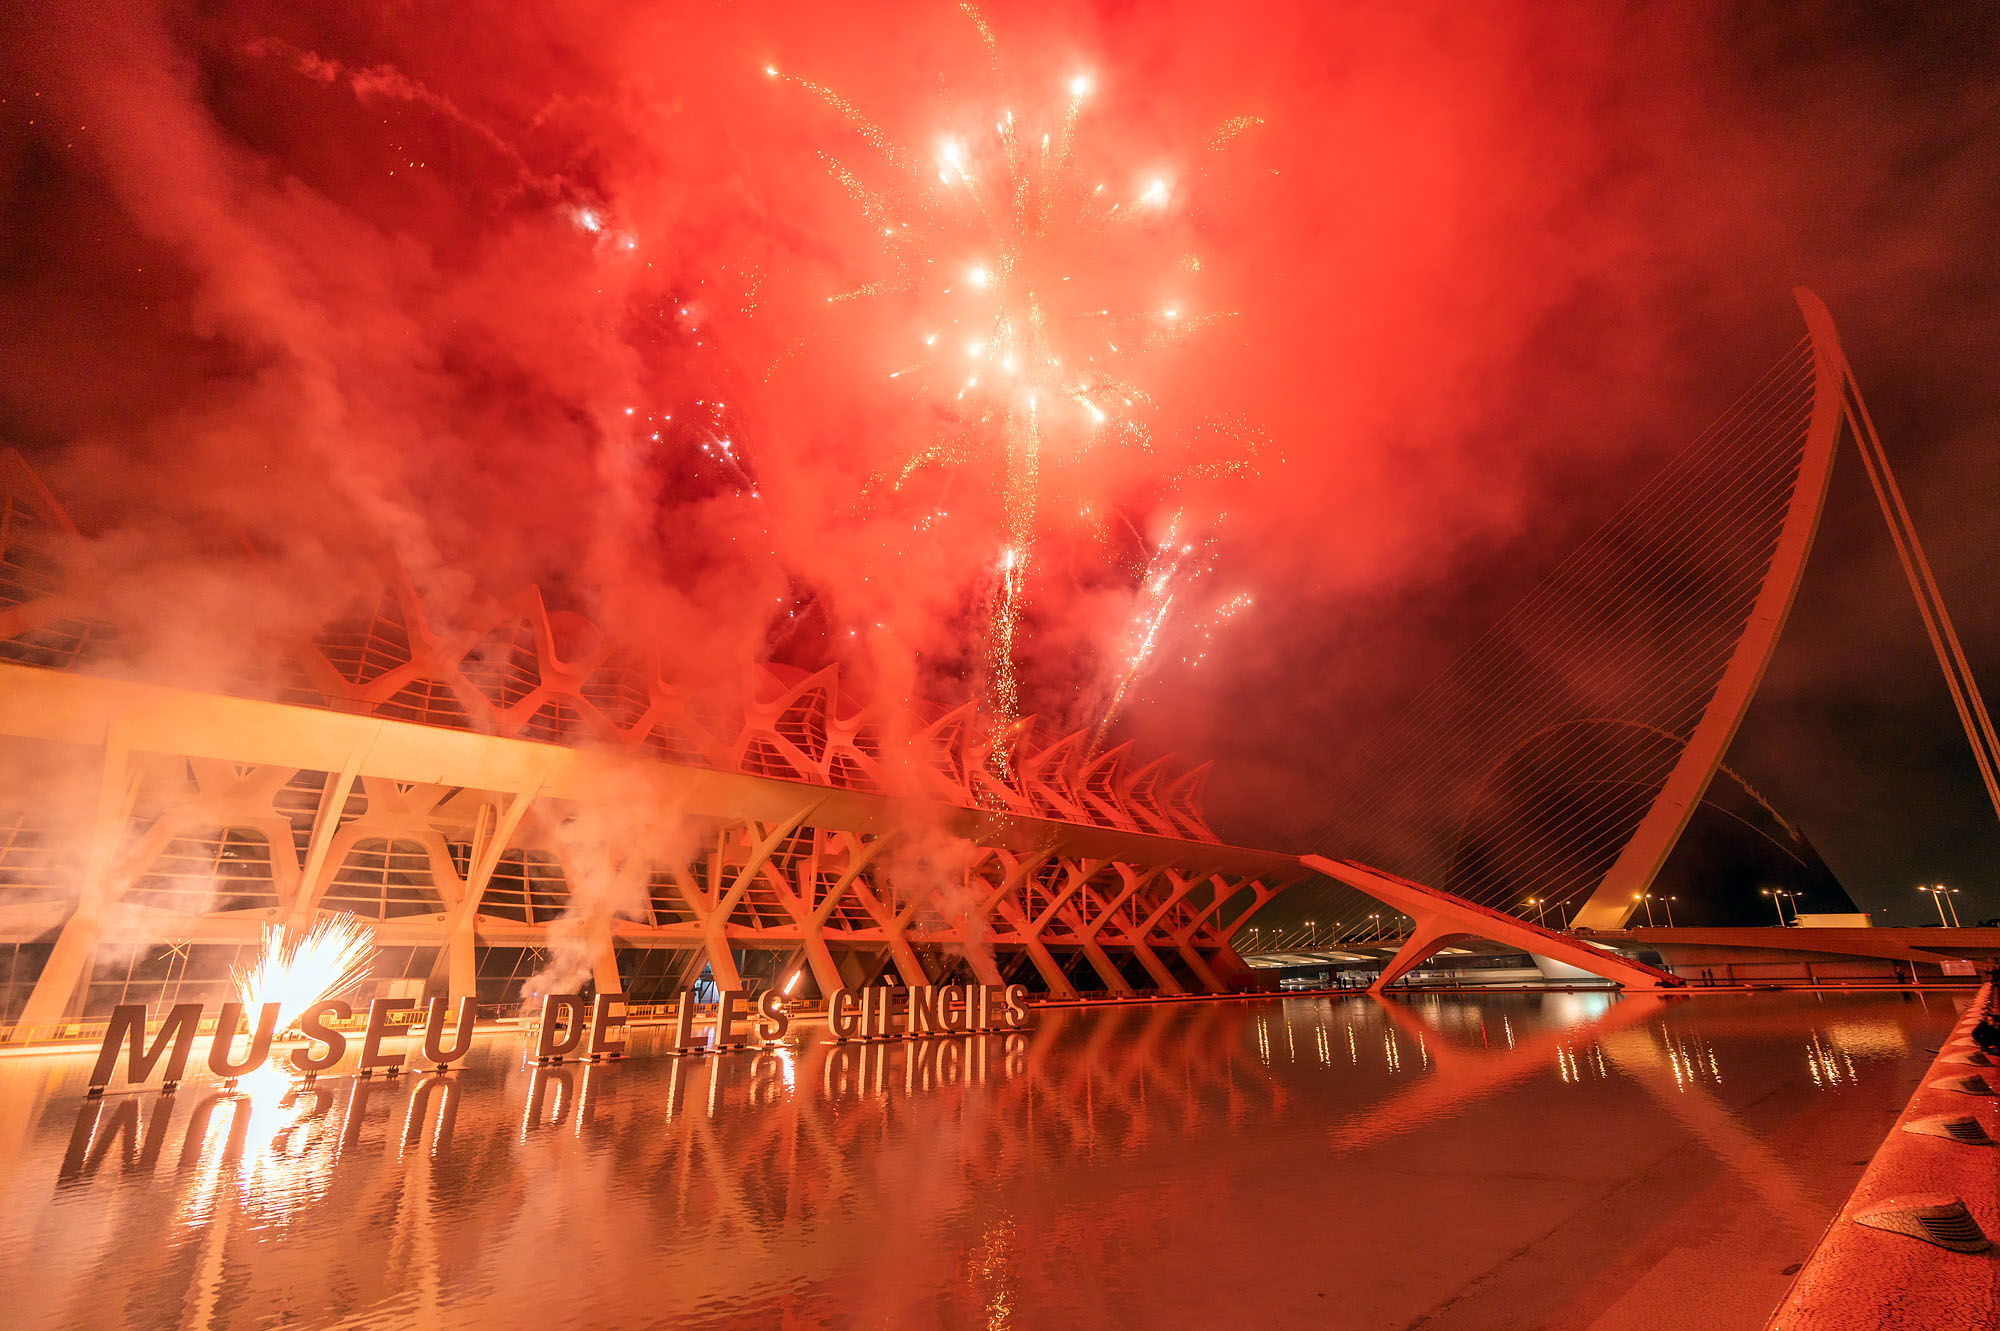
(1426, 940)
(1441, 916)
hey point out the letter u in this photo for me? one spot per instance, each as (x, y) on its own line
(225, 1035)
(434, 1046)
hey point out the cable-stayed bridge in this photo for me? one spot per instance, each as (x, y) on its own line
(1550, 771)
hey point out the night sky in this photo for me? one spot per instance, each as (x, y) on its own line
(1376, 309)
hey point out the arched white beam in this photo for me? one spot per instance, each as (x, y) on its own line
(1441, 917)
(1611, 905)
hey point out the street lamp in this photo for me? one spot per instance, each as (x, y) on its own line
(1312, 939)
(1939, 894)
(1646, 897)
(1539, 905)
(1670, 909)
(1775, 905)
(1375, 928)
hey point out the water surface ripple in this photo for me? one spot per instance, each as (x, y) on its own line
(1532, 1161)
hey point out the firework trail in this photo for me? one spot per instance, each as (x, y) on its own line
(1171, 581)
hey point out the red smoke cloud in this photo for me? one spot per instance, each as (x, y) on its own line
(342, 284)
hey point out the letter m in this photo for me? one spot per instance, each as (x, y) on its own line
(128, 1028)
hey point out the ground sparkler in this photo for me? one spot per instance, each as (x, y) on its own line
(331, 958)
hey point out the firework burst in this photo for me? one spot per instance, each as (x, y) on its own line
(1172, 609)
(1018, 266)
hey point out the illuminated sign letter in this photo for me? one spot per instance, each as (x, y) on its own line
(379, 1012)
(571, 1008)
(313, 1024)
(1017, 1006)
(776, 1014)
(876, 1002)
(684, 1021)
(954, 1007)
(601, 1021)
(434, 1046)
(923, 1009)
(842, 1022)
(726, 1003)
(225, 1035)
(128, 1027)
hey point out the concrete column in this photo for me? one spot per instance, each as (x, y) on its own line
(70, 960)
(1163, 977)
(1052, 974)
(1106, 969)
(826, 973)
(721, 964)
(604, 960)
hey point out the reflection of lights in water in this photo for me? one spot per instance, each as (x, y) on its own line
(1868, 1039)
(1390, 1053)
(1507, 1030)
(806, 1171)
(1572, 1069)
(440, 1089)
(1575, 1008)
(332, 958)
(1692, 1060)
(993, 1269)
(250, 1128)
(1324, 1047)
(1353, 1051)
(1827, 1065)
(1263, 1042)
(547, 1101)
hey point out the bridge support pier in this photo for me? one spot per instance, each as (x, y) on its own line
(1440, 917)
(1426, 940)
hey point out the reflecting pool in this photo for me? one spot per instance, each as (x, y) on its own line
(1532, 1160)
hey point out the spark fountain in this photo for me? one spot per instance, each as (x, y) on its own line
(331, 958)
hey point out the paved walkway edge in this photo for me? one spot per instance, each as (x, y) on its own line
(1860, 1277)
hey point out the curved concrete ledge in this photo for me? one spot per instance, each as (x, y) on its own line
(1862, 1277)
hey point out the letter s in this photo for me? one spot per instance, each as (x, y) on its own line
(1017, 1006)
(313, 1025)
(776, 1019)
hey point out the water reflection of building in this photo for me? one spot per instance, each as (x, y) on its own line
(687, 1181)
(766, 1156)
